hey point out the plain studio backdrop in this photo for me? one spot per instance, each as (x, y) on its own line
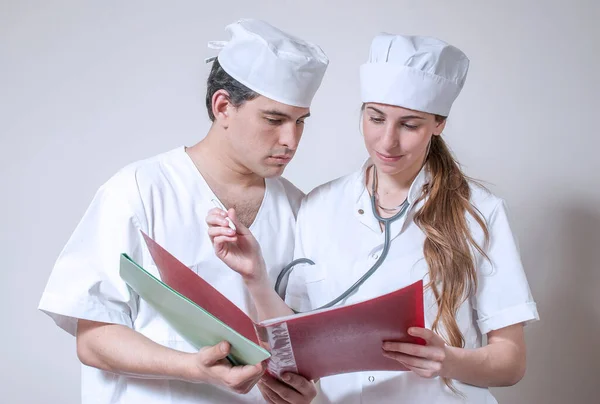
(87, 87)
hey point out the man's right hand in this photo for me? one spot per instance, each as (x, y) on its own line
(211, 366)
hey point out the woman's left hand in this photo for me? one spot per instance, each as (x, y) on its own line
(430, 360)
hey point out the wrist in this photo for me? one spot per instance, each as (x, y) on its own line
(452, 362)
(186, 368)
(259, 279)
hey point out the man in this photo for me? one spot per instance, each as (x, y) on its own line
(258, 97)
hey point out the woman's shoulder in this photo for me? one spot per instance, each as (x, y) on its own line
(484, 200)
(334, 191)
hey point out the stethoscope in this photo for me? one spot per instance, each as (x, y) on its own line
(387, 224)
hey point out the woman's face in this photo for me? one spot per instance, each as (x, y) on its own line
(397, 138)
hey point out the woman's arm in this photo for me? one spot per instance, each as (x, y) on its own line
(498, 364)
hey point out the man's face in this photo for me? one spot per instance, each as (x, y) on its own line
(264, 134)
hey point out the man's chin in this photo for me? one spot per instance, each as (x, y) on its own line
(272, 171)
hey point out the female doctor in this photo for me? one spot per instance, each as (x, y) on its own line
(440, 227)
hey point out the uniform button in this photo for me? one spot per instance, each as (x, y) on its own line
(360, 211)
(375, 256)
(371, 379)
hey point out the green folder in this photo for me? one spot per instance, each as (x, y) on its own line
(196, 325)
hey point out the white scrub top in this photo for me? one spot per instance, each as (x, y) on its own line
(167, 198)
(337, 230)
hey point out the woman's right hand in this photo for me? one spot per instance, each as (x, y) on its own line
(239, 250)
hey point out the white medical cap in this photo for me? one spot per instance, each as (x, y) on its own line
(414, 72)
(271, 62)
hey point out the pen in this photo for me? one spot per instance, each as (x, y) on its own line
(219, 205)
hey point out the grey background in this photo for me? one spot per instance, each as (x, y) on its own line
(89, 86)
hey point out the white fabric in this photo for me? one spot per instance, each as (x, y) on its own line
(344, 244)
(167, 198)
(414, 72)
(271, 62)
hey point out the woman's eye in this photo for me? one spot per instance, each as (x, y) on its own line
(376, 120)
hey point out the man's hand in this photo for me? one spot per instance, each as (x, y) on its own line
(211, 366)
(294, 389)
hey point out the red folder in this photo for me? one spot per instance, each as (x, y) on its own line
(316, 344)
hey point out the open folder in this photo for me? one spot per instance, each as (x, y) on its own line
(315, 344)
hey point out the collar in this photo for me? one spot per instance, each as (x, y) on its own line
(415, 191)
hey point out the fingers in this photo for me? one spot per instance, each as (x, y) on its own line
(241, 379)
(433, 353)
(212, 355)
(221, 218)
(269, 395)
(413, 361)
(429, 336)
(302, 385)
(231, 213)
(217, 217)
(279, 392)
(220, 231)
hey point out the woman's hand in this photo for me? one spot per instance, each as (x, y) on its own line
(429, 361)
(238, 249)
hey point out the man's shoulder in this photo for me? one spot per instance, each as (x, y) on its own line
(130, 179)
(293, 194)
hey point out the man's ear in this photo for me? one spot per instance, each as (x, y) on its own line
(221, 107)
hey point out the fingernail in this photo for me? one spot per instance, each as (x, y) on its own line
(286, 377)
(223, 347)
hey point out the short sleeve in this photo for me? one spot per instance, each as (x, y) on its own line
(503, 295)
(85, 281)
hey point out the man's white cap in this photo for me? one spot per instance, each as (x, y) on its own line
(271, 62)
(414, 72)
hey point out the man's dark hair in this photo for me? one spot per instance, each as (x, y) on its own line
(218, 79)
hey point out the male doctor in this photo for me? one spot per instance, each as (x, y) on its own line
(259, 92)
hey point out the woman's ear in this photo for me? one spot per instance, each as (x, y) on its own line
(439, 127)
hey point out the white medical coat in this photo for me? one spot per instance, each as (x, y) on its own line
(167, 198)
(338, 231)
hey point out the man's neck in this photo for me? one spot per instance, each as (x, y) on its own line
(216, 162)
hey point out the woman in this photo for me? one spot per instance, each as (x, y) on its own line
(450, 232)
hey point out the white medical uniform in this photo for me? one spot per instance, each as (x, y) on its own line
(337, 230)
(167, 198)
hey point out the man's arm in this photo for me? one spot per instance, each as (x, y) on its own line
(118, 349)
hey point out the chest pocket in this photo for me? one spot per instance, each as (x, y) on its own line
(309, 288)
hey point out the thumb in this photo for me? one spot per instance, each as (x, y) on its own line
(241, 229)
(216, 353)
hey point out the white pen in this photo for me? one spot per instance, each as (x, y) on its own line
(219, 205)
